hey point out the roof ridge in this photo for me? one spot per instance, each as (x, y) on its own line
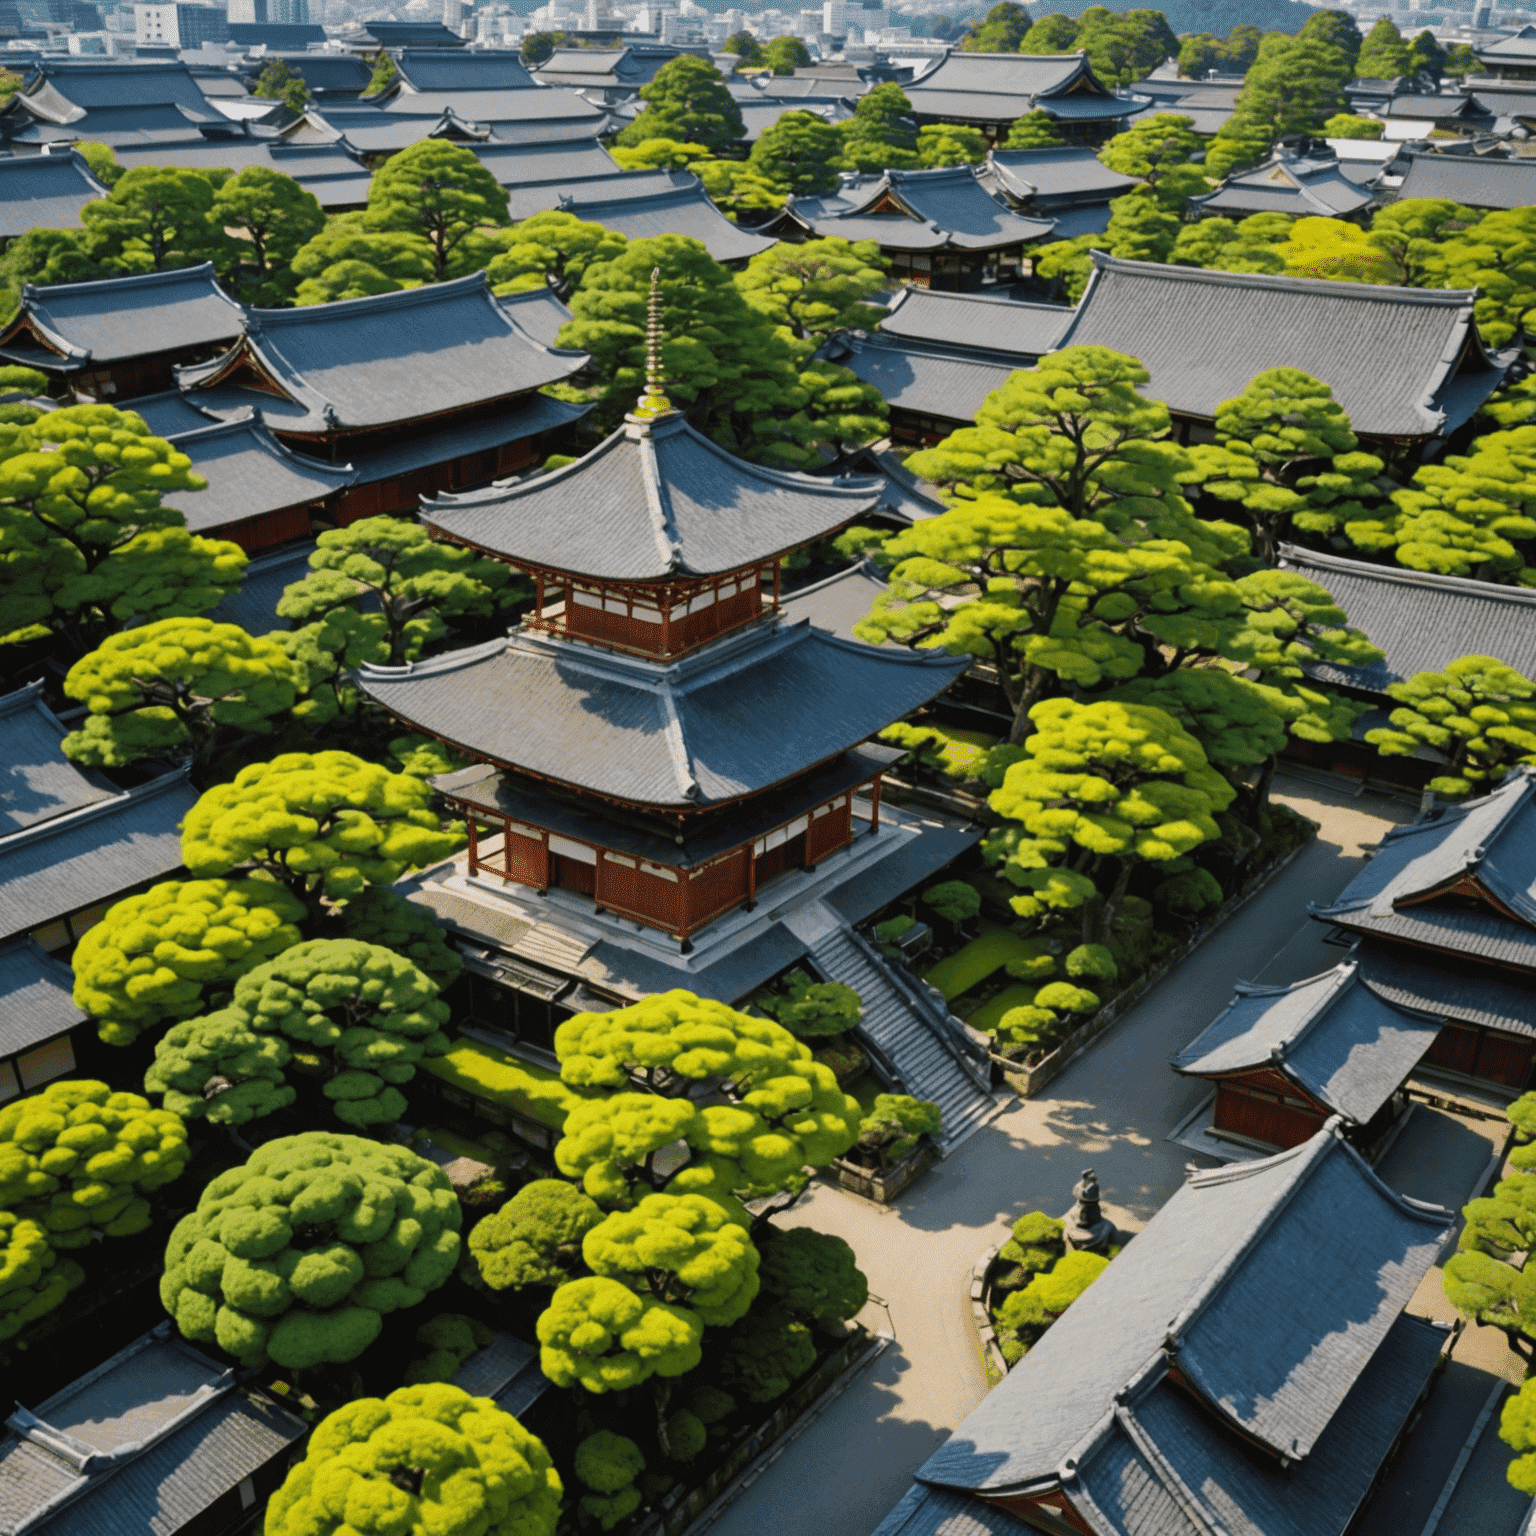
(1344, 565)
(41, 830)
(401, 298)
(20, 698)
(1342, 977)
(658, 501)
(1167, 1475)
(173, 275)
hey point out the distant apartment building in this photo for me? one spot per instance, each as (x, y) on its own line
(181, 24)
(269, 13)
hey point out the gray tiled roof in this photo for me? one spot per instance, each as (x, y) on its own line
(118, 127)
(922, 376)
(614, 187)
(1491, 840)
(758, 117)
(1056, 177)
(926, 1511)
(1518, 46)
(531, 165)
(334, 177)
(686, 211)
(949, 208)
(1019, 77)
(391, 358)
(484, 108)
(1441, 988)
(490, 1370)
(1435, 107)
(44, 192)
(1159, 1469)
(737, 716)
(1275, 1319)
(37, 782)
(253, 605)
(125, 317)
(87, 856)
(93, 87)
(1286, 184)
(1394, 357)
(434, 69)
(538, 311)
(141, 1446)
(328, 74)
(653, 499)
(976, 321)
(406, 34)
(1479, 181)
(1420, 620)
(169, 413)
(838, 602)
(1330, 1034)
(36, 997)
(250, 473)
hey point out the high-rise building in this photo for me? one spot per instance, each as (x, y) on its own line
(835, 17)
(180, 24)
(735, 21)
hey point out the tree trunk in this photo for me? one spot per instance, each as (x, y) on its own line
(1113, 900)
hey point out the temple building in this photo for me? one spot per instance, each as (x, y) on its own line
(673, 783)
(938, 229)
(1067, 184)
(1311, 185)
(44, 192)
(426, 389)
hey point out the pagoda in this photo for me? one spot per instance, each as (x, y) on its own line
(657, 735)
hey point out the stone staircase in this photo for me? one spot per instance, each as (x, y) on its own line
(911, 1034)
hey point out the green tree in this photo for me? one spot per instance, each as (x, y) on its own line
(763, 1356)
(1345, 125)
(1199, 54)
(345, 260)
(737, 188)
(800, 153)
(608, 1464)
(297, 1255)
(1152, 147)
(1477, 713)
(1051, 34)
(178, 686)
(840, 409)
(103, 163)
(688, 100)
(324, 824)
(279, 83)
(384, 70)
(658, 155)
(598, 1334)
(1498, 258)
(808, 1009)
(1426, 58)
(33, 1279)
(1331, 248)
(441, 192)
(941, 144)
(219, 1069)
(784, 55)
(1411, 233)
(44, 257)
(893, 1127)
(1126, 46)
(1035, 130)
(276, 217)
(1002, 31)
(1103, 788)
(88, 544)
(539, 46)
(1384, 54)
(375, 1012)
(1224, 246)
(155, 218)
(1286, 454)
(813, 1275)
(534, 1239)
(744, 46)
(881, 135)
(817, 288)
(1460, 61)
(1241, 47)
(80, 1160)
(552, 250)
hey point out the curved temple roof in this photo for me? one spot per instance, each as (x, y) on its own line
(654, 499)
(745, 713)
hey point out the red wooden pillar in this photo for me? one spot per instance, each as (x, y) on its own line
(474, 843)
(751, 877)
(874, 818)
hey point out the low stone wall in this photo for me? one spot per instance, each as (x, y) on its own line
(883, 1185)
(1028, 1081)
(981, 1313)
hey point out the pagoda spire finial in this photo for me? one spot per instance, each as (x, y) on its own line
(653, 402)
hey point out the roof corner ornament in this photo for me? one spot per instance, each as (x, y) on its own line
(654, 402)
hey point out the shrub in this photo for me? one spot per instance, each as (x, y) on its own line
(450, 1339)
(813, 1274)
(953, 900)
(534, 1239)
(765, 1354)
(1038, 1241)
(894, 1126)
(811, 1008)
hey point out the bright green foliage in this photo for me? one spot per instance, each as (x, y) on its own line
(84, 539)
(894, 1126)
(157, 217)
(1034, 1308)
(1478, 713)
(372, 1009)
(1037, 1241)
(735, 187)
(79, 1159)
(688, 100)
(840, 408)
(799, 152)
(346, 260)
(153, 956)
(940, 144)
(178, 685)
(1003, 29)
(277, 217)
(1517, 1429)
(609, 1464)
(32, 1279)
(609, 1141)
(295, 1255)
(381, 916)
(1522, 1115)
(726, 364)
(658, 154)
(44, 257)
(414, 581)
(1384, 54)
(538, 46)
(1345, 125)
(1468, 515)
(599, 1334)
(1284, 424)
(816, 288)
(1125, 46)
(450, 1339)
(103, 163)
(1051, 34)
(956, 901)
(441, 192)
(1497, 256)
(1152, 147)
(425, 1461)
(683, 1249)
(1426, 57)
(1239, 723)
(784, 55)
(218, 1068)
(1334, 249)
(279, 83)
(1224, 246)
(1093, 960)
(1035, 130)
(808, 1009)
(812, 1274)
(745, 46)
(1188, 893)
(765, 1354)
(880, 135)
(534, 1239)
(323, 822)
